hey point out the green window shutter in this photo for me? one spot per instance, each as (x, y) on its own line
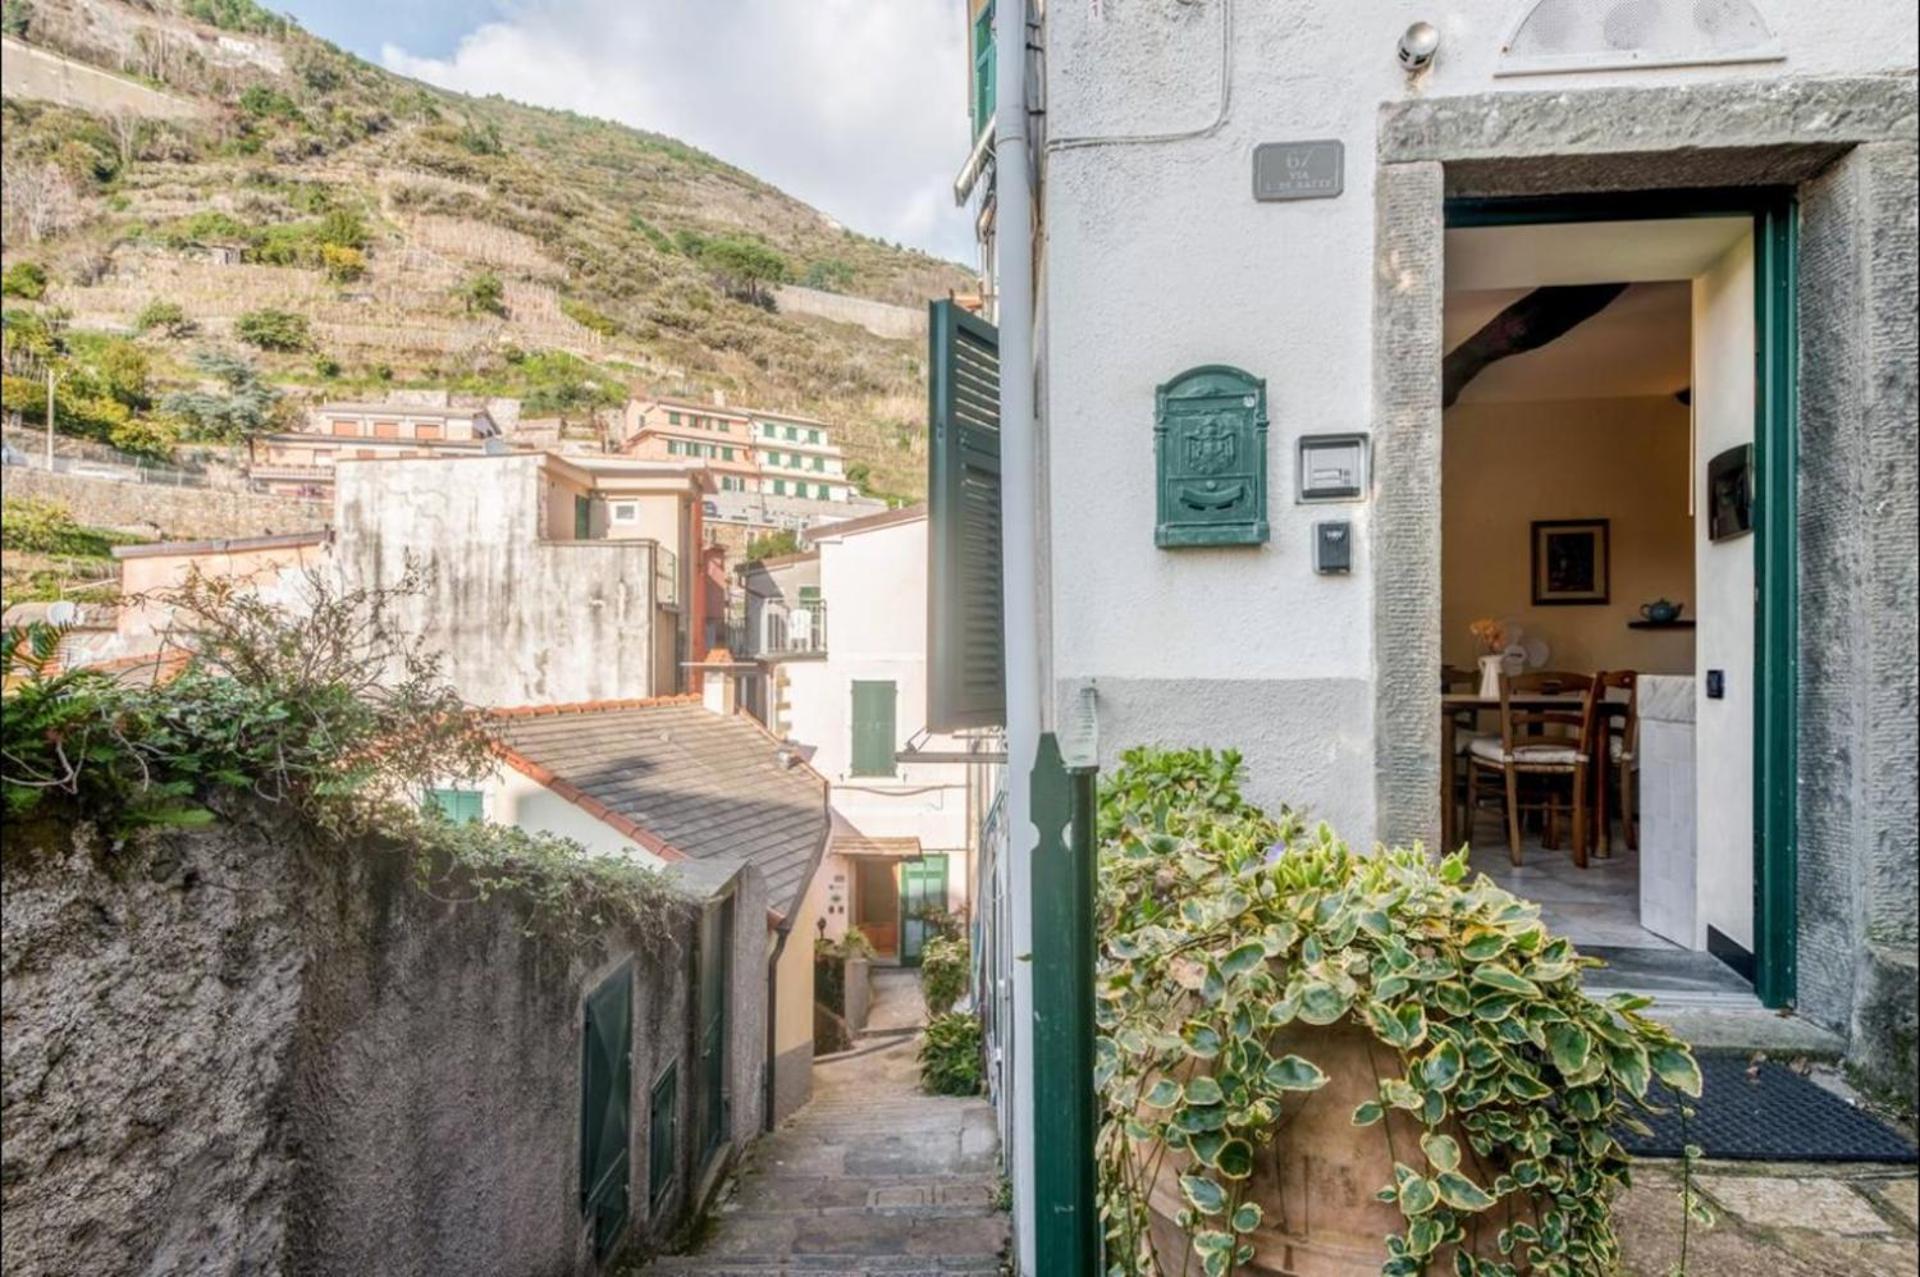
(606, 1103)
(873, 728)
(673, 418)
(582, 518)
(461, 806)
(663, 1134)
(966, 661)
(985, 72)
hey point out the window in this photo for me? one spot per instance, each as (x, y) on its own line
(663, 1135)
(873, 728)
(821, 490)
(726, 454)
(625, 512)
(582, 518)
(792, 434)
(984, 73)
(779, 487)
(965, 660)
(819, 463)
(348, 428)
(813, 436)
(606, 1106)
(673, 418)
(461, 806)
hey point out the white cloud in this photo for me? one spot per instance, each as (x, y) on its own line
(856, 106)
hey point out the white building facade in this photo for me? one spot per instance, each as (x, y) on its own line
(1276, 190)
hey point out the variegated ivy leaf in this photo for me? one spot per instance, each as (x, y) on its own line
(1321, 1003)
(1442, 1068)
(1441, 1150)
(1236, 1159)
(1203, 1194)
(1246, 1217)
(1369, 1113)
(1461, 1193)
(1292, 1073)
(1201, 1039)
(1401, 1094)
(1494, 975)
(1243, 959)
(1165, 1093)
(1204, 1090)
(1676, 1067)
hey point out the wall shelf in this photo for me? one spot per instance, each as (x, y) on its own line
(1659, 625)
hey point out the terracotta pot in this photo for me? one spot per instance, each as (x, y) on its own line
(1316, 1182)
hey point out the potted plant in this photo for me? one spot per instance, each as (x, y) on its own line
(1314, 1061)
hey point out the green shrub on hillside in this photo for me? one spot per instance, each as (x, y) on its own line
(237, 15)
(168, 319)
(485, 293)
(589, 318)
(272, 329)
(47, 527)
(26, 280)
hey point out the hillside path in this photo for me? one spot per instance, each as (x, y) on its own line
(872, 1177)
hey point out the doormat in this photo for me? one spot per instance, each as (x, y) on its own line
(1765, 1113)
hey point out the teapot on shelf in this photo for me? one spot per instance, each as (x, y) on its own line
(1662, 611)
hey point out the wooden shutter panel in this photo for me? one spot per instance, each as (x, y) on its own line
(966, 676)
(875, 727)
(606, 1102)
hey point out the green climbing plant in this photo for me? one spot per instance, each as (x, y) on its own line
(1224, 929)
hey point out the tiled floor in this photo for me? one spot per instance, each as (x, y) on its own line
(1598, 905)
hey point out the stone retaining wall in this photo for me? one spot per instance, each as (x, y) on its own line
(246, 1051)
(171, 513)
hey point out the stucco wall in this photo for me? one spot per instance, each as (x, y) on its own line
(237, 1052)
(1157, 259)
(522, 619)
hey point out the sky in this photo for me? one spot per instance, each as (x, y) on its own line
(857, 107)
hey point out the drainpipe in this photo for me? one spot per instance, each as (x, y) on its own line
(773, 1024)
(1019, 549)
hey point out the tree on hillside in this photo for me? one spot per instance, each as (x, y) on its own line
(744, 267)
(247, 407)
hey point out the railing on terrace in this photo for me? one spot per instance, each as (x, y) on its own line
(800, 629)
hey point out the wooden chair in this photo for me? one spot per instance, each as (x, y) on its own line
(1622, 757)
(1543, 746)
(1465, 724)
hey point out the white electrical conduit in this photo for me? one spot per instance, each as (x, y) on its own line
(1189, 135)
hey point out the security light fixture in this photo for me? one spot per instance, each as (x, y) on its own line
(1418, 45)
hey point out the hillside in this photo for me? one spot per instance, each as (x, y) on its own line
(399, 235)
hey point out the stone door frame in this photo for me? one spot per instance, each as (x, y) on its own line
(1847, 145)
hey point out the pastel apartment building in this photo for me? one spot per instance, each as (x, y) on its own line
(668, 430)
(300, 460)
(749, 450)
(798, 458)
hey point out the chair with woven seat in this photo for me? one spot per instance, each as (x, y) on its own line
(1622, 734)
(1542, 747)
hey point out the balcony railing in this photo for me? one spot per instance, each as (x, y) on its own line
(798, 630)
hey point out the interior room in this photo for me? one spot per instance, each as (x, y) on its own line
(1599, 383)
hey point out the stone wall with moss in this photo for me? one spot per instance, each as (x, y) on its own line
(246, 1050)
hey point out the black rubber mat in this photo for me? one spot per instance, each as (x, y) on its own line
(1766, 1113)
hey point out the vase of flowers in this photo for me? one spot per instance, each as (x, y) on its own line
(1492, 638)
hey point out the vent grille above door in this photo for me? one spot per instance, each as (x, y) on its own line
(1582, 35)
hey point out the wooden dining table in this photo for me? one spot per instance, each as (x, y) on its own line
(1453, 705)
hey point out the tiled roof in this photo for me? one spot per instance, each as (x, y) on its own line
(682, 781)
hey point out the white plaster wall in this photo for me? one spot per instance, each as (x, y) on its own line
(1157, 258)
(1723, 325)
(875, 587)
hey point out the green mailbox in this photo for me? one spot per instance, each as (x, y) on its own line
(1210, 458)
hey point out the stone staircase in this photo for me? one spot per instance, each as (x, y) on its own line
(871, 1177)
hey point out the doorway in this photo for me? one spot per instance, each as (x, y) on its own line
(876, 904)
(1618, 386)
(923, 904)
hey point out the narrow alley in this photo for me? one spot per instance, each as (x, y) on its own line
(873, 1176)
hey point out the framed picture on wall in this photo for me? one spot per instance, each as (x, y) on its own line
(1730, 493)
(1570, 562)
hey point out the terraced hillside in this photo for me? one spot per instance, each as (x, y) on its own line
(396, 235)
